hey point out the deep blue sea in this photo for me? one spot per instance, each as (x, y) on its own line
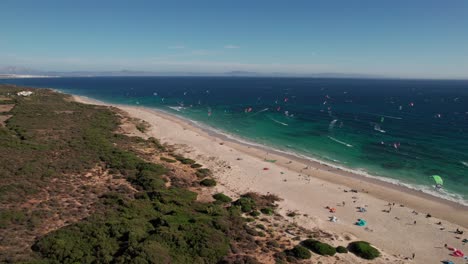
(401, 130)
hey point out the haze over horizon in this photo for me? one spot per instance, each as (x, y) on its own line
(417, 39)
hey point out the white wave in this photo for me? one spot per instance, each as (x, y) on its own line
(177, 108)
(391, 117)
(464, 163)
(281, 123)
(341, 142)
(263, 110)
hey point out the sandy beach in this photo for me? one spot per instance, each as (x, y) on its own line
(397, 217)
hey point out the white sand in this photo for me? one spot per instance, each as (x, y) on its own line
(309, 191)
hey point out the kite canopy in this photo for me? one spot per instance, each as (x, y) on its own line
(438, 179)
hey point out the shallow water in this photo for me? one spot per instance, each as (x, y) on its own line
(404, 130)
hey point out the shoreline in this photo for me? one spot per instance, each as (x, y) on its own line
(381, 181)
(239, 168)
(315, 162)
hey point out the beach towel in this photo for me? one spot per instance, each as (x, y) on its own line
(361, 222)
(457, 253)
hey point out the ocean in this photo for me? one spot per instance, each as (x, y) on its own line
(402, 131)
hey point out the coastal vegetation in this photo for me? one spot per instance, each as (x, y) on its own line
(221, 197)
(76, 189)
(50, 137)
(208, 182)
(201, 173)
(320, 248)
(341, 249)
(300, 252)
(167, 160)
(364, 250)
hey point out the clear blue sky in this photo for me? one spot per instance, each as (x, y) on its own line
(406, 38)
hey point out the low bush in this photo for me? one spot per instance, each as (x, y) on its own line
(201, 173)
(221, 197)
(341, 249)
(208, 182)
(267, 211)
(142, 127)
(364, 250)
(318, 247)
(260, 226)
(156, 143)
(255, 213)
(196, 166)
(184, 160)
(299, 252)
(273, 243)
(167, 160)
(246, 204)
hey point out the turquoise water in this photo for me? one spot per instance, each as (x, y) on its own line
(402, 130)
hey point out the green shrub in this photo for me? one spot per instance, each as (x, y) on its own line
(341, 249)
(142, 127)
(167, 160)
(246, 204)
(208, 182)
(202, 173)
(267, 211)
(255, 213)
(184, 160)
(156, 143)
(273, 243)
(364, 250)
(221, 197)
(300, 252)
(196, 166)
(260, 226)
(318, 247)
(8, 217)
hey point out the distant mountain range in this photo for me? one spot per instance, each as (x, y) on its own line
(18, 72)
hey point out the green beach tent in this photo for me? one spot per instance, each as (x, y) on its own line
(438, 179)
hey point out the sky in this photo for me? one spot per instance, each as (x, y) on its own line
(398, 38)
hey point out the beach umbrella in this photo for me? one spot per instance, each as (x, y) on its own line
(438, 180)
